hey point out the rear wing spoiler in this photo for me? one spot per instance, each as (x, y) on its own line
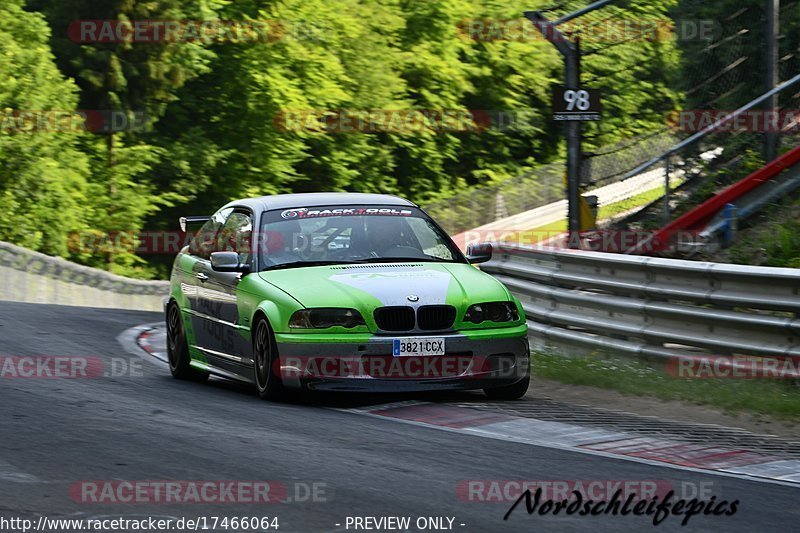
(183, 221)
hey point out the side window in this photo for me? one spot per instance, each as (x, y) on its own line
(236, 235)
(427, 236)
(205, 241)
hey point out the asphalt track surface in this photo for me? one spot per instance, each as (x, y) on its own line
(58, 432)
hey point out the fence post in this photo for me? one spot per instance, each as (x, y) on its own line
(731, 223)
(772, 74)
(667, 191)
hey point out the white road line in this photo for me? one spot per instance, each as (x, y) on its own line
(128, 340)
(11, 474)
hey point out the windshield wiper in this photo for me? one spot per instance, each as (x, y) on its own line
(366, 260)
(403, 260)
(299, 264)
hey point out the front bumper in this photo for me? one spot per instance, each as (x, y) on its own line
(472, 360)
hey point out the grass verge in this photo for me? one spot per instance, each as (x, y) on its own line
(776, 398)
(553, 229)
(639, 200)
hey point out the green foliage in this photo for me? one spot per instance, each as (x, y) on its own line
(773, 242)
(43, 174)
(126, 77)
(214, 128)
(638, 77)
(784, 250)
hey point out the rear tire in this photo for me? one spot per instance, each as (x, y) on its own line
(265, 357)
(178, 348)
(510, 392)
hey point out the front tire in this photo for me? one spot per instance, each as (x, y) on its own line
(510, 392)
(178, 348)
(265, 357)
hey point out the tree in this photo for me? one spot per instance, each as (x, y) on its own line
(216, 112)
(43, 173)
(128, 78)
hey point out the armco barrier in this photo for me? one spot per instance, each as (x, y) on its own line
(653, 308)
(642, 306)
(28, 276)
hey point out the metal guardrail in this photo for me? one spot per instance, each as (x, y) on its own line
(28, 276)
(653, 308)
(750, 204)
(647, 307)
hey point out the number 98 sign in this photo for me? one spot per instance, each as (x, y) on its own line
(581, 104)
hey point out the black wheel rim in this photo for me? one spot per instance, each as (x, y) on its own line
(262, 349)
(173, 335)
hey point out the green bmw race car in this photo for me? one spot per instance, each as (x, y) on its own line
(341, 292)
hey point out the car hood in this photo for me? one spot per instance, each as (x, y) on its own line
(366, 287)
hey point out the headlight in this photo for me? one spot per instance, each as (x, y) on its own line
(493, 311)
(326, 318)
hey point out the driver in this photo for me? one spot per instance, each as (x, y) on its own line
(276, 245)
(384, 235)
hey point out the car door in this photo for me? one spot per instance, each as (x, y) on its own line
(197, 288)
(226, 347)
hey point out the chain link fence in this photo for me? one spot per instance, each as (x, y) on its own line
(545, 185)
(718, 77)
(717, 74)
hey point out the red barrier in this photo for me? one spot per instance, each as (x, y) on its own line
(703, 213)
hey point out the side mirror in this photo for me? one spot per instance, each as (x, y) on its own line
(227, 262)
(479, 253)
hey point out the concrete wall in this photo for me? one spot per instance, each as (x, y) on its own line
(27, 276)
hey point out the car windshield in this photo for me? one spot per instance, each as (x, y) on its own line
(351, 234)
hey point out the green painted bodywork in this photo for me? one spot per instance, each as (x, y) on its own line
(461, 285)
(279, 294)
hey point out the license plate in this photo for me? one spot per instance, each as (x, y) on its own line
(418, 346)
